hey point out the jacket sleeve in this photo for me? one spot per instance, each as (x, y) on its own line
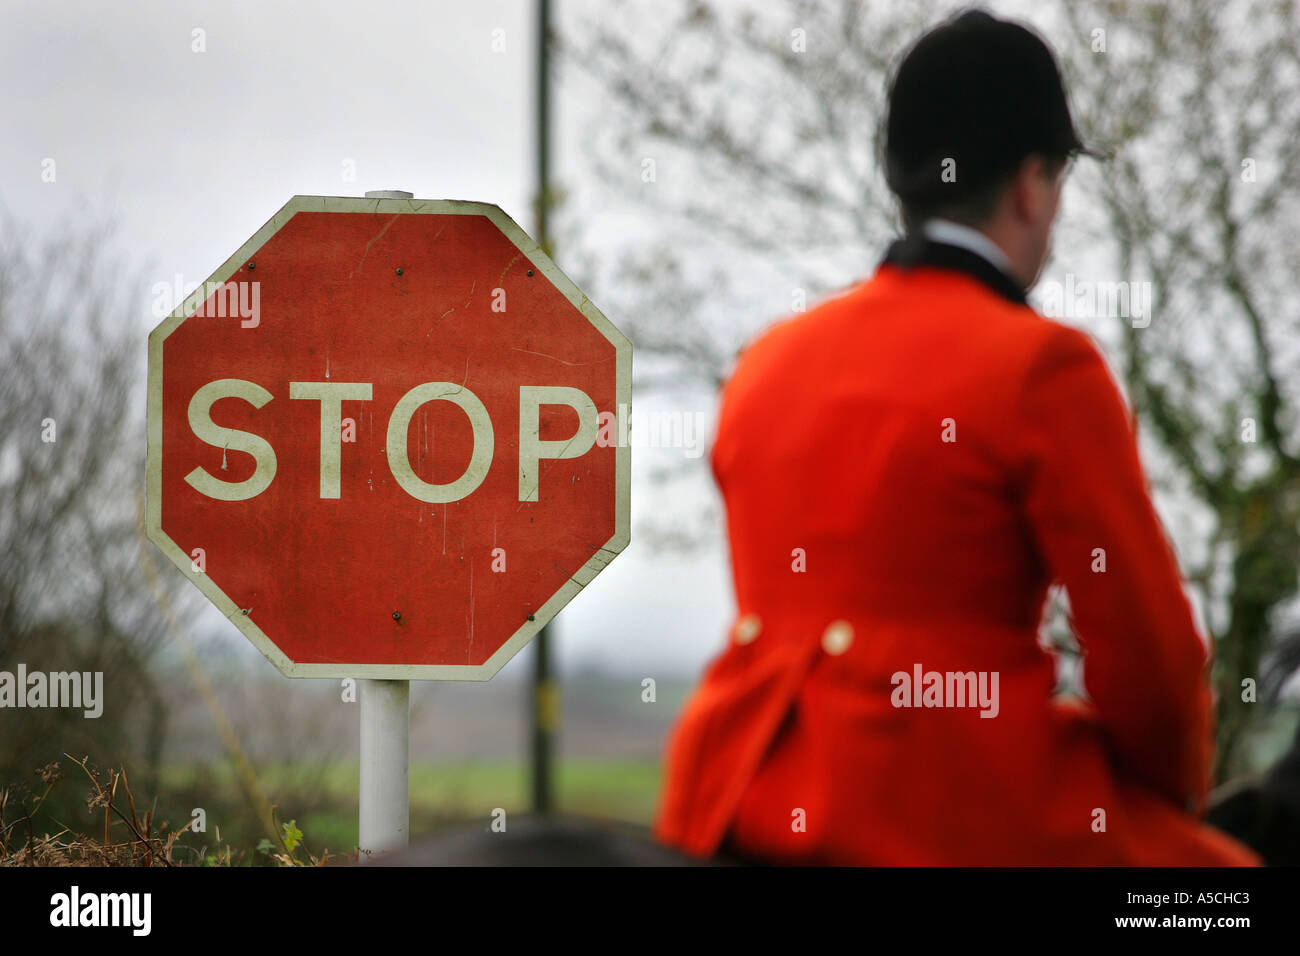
(1087, 504)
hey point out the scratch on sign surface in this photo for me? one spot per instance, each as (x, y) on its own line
(371, 243)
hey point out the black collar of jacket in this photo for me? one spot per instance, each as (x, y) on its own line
(916, 249)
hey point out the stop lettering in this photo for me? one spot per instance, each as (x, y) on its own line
(393, 469)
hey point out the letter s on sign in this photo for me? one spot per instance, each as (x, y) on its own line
(200, 415)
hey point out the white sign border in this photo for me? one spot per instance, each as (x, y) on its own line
(623, 458)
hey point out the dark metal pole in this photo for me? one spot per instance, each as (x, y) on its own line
(545, 690)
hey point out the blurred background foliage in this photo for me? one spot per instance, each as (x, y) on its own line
(764, 125)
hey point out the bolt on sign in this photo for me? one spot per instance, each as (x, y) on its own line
(406, 456)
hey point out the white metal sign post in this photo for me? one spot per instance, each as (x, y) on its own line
(385, 765)
(385, 797)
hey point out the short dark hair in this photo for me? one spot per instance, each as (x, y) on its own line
(974, 208)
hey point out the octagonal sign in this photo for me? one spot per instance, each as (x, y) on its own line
(387, 438)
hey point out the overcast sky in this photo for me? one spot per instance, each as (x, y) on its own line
(189, 141)
(188, 124)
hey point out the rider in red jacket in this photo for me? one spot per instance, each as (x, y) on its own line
(906, 469)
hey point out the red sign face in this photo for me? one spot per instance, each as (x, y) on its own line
(388, 439)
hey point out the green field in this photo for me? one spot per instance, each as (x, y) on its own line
(322, 798)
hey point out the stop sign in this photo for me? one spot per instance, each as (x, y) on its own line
(387, 438)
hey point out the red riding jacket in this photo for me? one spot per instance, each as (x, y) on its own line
(906, 469)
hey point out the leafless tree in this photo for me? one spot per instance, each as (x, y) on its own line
(71, 445)
(1202, 104)
(768, 118)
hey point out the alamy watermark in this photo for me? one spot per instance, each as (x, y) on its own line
(129, 910)
(923, 688)
(655, 429)
(1077, 298)
(222, 300)
(76, 689)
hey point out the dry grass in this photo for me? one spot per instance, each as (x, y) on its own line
(128, 838)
